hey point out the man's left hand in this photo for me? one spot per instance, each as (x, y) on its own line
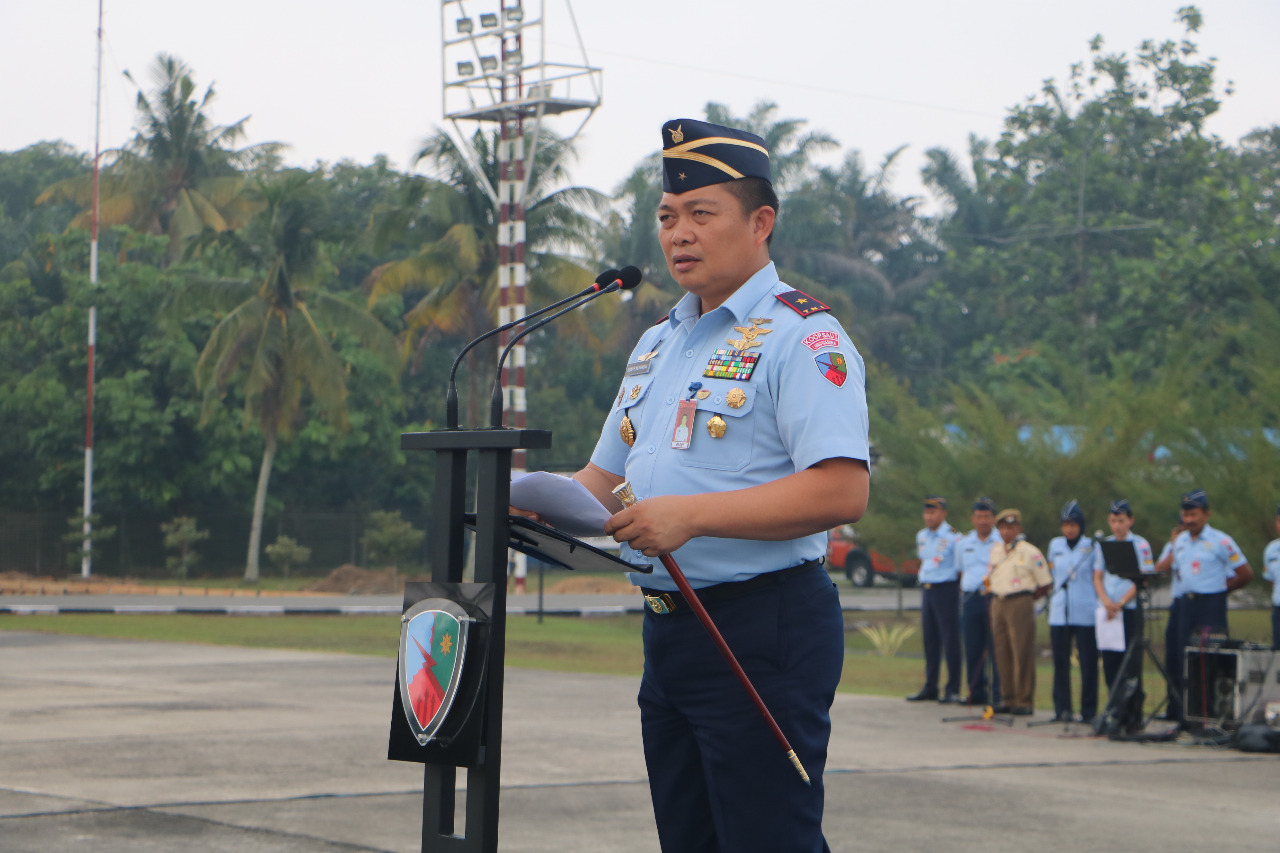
(655, 526)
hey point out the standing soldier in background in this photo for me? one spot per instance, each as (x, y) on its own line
(1016, 578)
(1271, 564)
(939, 601)
(1116, 594)
(973, 553)
(1073, 558)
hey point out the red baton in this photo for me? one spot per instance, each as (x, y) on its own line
(628, 498)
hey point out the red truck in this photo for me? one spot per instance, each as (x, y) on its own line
(860, 566)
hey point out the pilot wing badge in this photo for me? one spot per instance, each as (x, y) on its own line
(433, 649)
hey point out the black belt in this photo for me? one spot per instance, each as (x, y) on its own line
(663, 601)
(932, 584)
(1201, 594)
(1014, 595)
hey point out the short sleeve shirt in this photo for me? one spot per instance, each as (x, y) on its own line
(1117, 587)
(972, 555)
(937, 552)
(1018, 568)
(772, 392)
(1074, 599)
(1205, 563)
(1271, 569)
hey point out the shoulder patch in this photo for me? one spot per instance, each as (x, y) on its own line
(801, 302)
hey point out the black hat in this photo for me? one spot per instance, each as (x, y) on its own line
(984, 504)
(1121, 507)
(1195, 499)
(935, 502)
(697, 154)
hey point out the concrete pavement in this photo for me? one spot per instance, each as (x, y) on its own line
(115, 745)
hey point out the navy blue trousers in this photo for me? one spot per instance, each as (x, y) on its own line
(940, 627)
(979, 650)
(1111, 661)
(1061, 636)
(720, 781)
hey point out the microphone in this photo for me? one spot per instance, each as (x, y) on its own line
(628, 279)
(451, 395)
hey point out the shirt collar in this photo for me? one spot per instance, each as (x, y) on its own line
(739, 304)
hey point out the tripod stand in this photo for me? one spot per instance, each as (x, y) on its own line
(1112, 720)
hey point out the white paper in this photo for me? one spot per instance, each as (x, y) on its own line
(563, 502)
(1110, 632)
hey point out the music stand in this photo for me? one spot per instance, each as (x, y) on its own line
(1121, 558)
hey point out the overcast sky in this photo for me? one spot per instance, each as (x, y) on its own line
(339, 80)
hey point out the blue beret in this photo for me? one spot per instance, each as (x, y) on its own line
(984, 504)
(696, 154)
(935, 502)
(1195, 499)
(1121, 507)
(1072, 512)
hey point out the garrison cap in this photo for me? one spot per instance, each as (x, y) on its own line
(1009, 516)
(1120, 506)
(935, 502)
(1072, 512)
(697, 154)
(1195, 499)
(984, 504)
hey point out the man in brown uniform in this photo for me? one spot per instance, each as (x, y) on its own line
(1016, 576)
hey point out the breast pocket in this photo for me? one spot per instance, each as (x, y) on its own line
(734, 404)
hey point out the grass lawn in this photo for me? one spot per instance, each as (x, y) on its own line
(608, 645)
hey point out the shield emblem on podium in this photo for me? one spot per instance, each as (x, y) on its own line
(433, 649)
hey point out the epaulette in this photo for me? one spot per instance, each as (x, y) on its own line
(664, 318)
(801, 302)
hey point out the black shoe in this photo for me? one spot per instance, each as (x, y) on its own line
(972, 700)
(1022, 712)
(949, 699)
(924, 695)
(1063, 717)
(1001, 709)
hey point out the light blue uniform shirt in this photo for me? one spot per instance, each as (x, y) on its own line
(1205, 563)
(1074, 603)
(797, 410)
(972, 555)
(1117, 587)
(937, 552)
(1271, 566)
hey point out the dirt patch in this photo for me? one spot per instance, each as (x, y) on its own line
(590, 586)
(352, 580)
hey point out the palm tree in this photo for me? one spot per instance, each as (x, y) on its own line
(275, 337)
(456, 267)
(180, 174)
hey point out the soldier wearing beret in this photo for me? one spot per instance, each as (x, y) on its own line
(1016, 577)
(939, 601)
(741, 424)
(1073, 559)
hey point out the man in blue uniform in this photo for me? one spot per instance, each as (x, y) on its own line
(1271, 566)
(1073, 558)
(939, 601)
(1209, 564)
(1117, 595)
(741, 424)
(973, 553)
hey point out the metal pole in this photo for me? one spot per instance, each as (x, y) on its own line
(86, 559)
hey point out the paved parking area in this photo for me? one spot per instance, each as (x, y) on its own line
(115, 745)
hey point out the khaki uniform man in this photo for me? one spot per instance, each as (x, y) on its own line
(1016, 576)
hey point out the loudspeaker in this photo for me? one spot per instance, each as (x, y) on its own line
(1229, 685)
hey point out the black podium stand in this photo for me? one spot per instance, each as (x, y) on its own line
(481, 755)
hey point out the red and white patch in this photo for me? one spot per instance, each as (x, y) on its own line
(818, 340)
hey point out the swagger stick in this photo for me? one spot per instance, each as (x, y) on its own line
(628, 498)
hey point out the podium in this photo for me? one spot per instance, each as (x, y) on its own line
(477, 746)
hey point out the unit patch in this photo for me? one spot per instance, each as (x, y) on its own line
(825, 338)
(833, 367)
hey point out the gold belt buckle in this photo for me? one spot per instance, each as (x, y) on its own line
(661, 603)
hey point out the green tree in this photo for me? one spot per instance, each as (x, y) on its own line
(286, 553)
(275, 340)
(389, 539)
(180, 536)
(180, 174)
